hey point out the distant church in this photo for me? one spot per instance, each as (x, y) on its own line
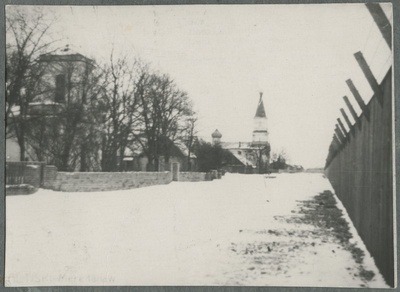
(248, 157)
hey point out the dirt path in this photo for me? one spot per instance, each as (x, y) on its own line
(316, 230)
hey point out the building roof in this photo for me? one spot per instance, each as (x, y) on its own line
(236, 145)
(184, 150)
(38, 108)
(241, 156)
(64, 54)
(260, 113)
(178, 148)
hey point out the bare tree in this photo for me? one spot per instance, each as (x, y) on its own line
(162, 110)
(65, 122)
(118, 107)
(26, 38)
(279, 159)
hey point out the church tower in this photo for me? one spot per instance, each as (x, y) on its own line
(260, 132)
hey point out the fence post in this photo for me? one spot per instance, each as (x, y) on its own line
(352, 111)
(346, 118)
(340, 135)
(369, 75)
(49, 176)
(358, 97)
(381, 21)
(32, 175)
(342, 128)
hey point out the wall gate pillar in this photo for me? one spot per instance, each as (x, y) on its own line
(175, 171)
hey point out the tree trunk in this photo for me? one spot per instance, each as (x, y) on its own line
(83, 157)
(65, 157)
(121, 159)
(150, 166)
(188, 162)
(156, 164)
(21, 134)
(21, 142)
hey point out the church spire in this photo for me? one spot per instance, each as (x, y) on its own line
(260, 130)
(260, 108)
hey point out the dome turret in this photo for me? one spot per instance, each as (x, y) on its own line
(216, 137)
(216, 134)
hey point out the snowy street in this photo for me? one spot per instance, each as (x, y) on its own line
(284, 230)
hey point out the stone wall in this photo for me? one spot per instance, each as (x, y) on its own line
(193, 176)
(102, 181)
(47, 176)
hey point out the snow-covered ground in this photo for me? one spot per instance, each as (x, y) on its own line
(235, 231)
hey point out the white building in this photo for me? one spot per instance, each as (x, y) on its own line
(249, 157)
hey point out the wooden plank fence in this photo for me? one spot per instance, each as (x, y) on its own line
(360, 169)
(16, 172)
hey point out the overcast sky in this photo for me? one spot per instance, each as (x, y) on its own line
(224, 55)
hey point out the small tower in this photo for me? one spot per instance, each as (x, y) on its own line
(66, 72)
(216, 137)
(260, 132)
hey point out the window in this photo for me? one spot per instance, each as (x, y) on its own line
(60, 88)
